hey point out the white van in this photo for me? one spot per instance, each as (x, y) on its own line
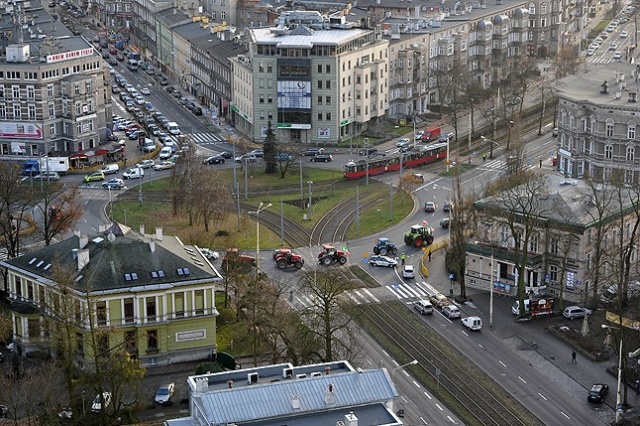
(423, 306)
(173, 128)
(134, 173)
(515, 309)
(166, 152)
(472, 323)
(110, 169)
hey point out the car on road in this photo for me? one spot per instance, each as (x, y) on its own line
(446, 206)
(283, 156)
(310, 152)
(408, 272)
(439, 300)
(257, 152)
(97, 406)
(115, 89)
(321, 158)
(145, 164)
(445, 222)
(403, 143)
(418, 135)
(597, 393)
(429, 207)
(572, 312)
(113, 184)
(472, 323)
(383, 261)
(617, 55)
(145, 91)
(215, 159)
(226, 155)
(47, 176)
(423, 306)
(451, 311)
(165, 165)
(368, 151)
(624, 34)
(164, 394)
(246, 157)
(113, 61)
(94, 177)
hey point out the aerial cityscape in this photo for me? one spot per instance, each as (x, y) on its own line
(303, 212)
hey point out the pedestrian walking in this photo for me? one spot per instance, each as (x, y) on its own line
(573, 358)
(124, 161)
(484, 157)
(541, 163)
(429, 254)
(402, 257)
(637, 387)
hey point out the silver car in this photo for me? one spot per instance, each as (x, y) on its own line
(383, 261)
(164, 394)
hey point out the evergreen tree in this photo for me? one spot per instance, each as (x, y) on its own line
(269, 147)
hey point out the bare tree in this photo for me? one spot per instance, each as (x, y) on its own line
(59, 210)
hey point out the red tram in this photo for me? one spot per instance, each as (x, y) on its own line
(378, 166)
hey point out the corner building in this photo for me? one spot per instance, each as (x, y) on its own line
(317, 81)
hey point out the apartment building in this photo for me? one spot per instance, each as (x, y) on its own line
(149, 295)
(598, 131)
(316, 81)
(561, 248)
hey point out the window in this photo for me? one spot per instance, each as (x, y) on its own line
(319, 100)
(101, 313)
(76, 88)
(30, 291)
(151, 309)
(328, 84)
(31, 110)
(554, 245)
(152, 339)
(223, 15)
(553, 272)
(631, 131)
(17, 112)
(327, 100)
(533, 242)
(631, 151)
(33, 327)
(31, 92)
(199, 302)
(319, 116)
(608, 152)
(103, 344)
(609, 129)
(16, 91)
(319, 69)
(179, 305)
(319, 84)
(80, 344)
(588, 258)
(327, 69)
(128, 311)
(50, 92)
(131, 342)
(328, 116)
(52, 110)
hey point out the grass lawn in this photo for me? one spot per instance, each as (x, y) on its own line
(325, 197)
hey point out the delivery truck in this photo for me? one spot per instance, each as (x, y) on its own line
(54, 164)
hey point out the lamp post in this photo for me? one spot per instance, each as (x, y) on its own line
(619, 390)
(435, 186)
(261, 207)
(310, 199)
(366, 153)
(492, 144)
(414, 362)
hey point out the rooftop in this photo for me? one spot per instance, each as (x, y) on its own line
(330, 37)
(586, 86)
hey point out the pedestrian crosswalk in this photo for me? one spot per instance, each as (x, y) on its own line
(502, 165)
(205, 138)
(361, 296)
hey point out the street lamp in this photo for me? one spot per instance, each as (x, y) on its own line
(261, 207)
(492, 144)
(366, 153)
(310, 199)
(414, 362)
(618, 392)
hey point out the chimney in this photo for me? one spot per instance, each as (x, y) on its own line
(74, 253)
(83, 258)
(295, 402)
(327, 370)
(141, 229)
(350, 419)
(152, 245)
(229, 384)
(159, 233)
(330, 395)
(84, 240)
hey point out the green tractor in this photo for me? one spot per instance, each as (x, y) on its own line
(420, 235)
(383, 247)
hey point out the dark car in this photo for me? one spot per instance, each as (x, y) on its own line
(113, 61)
(597, 392)
(119, 57)
(429, 207)
(226, 155)
(104, 44)
(447, 206)
(322, 158)
(197, 111)
(368, 151)
(105, 54)
(115, 89)
(170, 89)
(216, 159)
(312, 152)
(283, 156)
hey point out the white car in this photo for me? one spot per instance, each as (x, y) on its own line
(163, 166)
(408, 272)
(451, 311)
(403, 143)
(617, 55)
(472, 323)
(164, 394)
(145, 91)
(624, 34)
(140, 100)
(383, 261)
(47, 176)
(145, 164)
(97, 402)
(418, 135)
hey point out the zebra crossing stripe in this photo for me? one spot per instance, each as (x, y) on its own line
(415, 292)
(403, 291)
(393, 290)
(429, 288)
(352, 297)
(375, 299)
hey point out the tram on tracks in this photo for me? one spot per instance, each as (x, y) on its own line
(427, 154)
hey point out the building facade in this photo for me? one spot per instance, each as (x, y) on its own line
(148, 295)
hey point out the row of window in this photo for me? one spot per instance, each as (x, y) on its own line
(16, 90)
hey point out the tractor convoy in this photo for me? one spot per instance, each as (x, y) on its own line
(286, 258)
(383, 247)
(330, 255)
(419, 235)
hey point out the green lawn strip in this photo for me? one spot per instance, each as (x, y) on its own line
(434, 339)
(361, 274)
(377, 218)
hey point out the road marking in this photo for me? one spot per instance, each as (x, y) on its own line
(385, 352)
(481, 347)
(562, 412)
(375, 299)
(542, 396)
(465, 333)
(450, 419)
(405, 373)
(427, 395)
(404, 399)
(503, 364)
(417, 384)
(424, 421)
(395, 362)
(353, 298)
(438, 405)
(522, 380)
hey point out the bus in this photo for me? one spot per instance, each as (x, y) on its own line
(132, 64)
(428, 154)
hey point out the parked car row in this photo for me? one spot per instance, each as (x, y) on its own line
(184, 100)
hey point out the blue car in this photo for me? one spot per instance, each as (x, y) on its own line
(283, 156)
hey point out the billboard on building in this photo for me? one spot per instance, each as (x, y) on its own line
(294, 95)
(20, 130)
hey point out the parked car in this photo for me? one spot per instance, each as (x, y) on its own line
(163, 166)
(408, 272)
(170, 89)
(321, 158)
(47, 176)
(97, 406)
(257, 152)
(597, 393)
(246, 157)
(226, 155)
(451, 311)
(113, 184)
(197, 111)
(383, 261)
(283, 156)
(309, 152)
(145, 91)
(429, 207)
(93, 177)
(572, 312)
(215, 159)
(164, 394)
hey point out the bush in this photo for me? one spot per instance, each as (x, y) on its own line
(227, 316)
(208, 367)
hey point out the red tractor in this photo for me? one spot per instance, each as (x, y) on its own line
(233, 260)
(285, 258)
(330, 254)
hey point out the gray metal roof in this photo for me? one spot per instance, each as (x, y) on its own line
(320, 37)
(367, 415)
(172, 16)
(273, 400)
(114, 261)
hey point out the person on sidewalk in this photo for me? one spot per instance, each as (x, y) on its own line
(402, 258)
(484, 157)
(541, 163)
(573, 358)
(429, 254)
(637, 387)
